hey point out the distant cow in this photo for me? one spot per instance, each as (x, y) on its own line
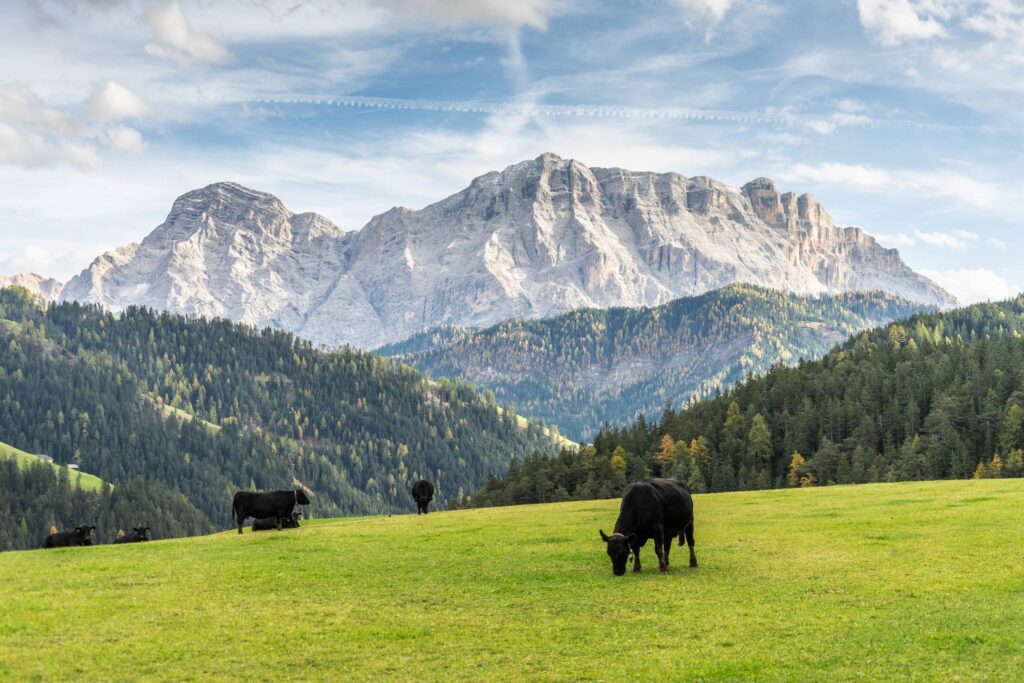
(276, 504)
(658, 509)
(268, 523)
(422, 493)
(80, 535)
(139, 534)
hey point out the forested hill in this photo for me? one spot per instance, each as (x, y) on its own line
(206, 407)
(582, 369)
(936, 396)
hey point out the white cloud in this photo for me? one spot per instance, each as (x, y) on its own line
(32, 150)
(892, 22)
(997, 243)
(713, 10)
(175, 39)
(934, 183)
(971, 285)
(839, 174)
(126, 139)
(941, 239)
(19, 105)
(851, 106)
(111, 101)
(966, 234)
(898, 239)
(533, 13)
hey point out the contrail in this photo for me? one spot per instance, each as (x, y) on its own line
(583, 111)
(553, 110)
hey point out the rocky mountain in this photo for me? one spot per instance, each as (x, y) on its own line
(538, 239)
(46, 288)
(587, 367)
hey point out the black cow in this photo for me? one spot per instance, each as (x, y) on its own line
(658, 509)
(80, 535)
(268, 523)
(139, 534)
(422, 493)
(276, 504)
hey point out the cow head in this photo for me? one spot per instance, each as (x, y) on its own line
(84, 533)
(619, 547)
(301, 498)
(142, 533)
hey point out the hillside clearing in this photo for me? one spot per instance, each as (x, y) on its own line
(890, 581)
(86, 481)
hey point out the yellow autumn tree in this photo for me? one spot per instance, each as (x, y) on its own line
(794, 469)
(618, 460)
(666, 452)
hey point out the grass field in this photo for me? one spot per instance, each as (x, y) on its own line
(915, 581)
(89, 482)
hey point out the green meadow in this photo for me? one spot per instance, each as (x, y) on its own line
(917, 581)
(89, 482)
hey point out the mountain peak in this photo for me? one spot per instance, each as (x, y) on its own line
(46, 288)
(539, 238)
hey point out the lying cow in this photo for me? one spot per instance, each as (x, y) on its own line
(139, 534)
(422, 493)
(268, 523)
(80, 535)
(658, 509)
(276, 504)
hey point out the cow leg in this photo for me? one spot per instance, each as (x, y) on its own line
(689, 542)
(241, 520)
(636, 559)
(659, 545)
(280, 521)
(665, 548)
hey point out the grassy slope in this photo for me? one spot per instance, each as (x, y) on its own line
(871, 582)
(171, 411)
(89, 482)
(560, 440)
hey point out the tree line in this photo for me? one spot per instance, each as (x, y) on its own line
(935, 396)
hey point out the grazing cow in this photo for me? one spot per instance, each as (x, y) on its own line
(80, 535)
(658, 509)
(422, 493)
(139, 534)
(268, 523)
(276, 504)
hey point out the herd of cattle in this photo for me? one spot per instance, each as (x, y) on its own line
(652, 509)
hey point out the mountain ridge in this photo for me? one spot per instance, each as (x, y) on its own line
(537, 239)
(589, 367)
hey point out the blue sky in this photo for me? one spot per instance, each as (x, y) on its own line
(901, 116)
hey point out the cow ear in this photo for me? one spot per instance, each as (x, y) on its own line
(603, 537)
(631, 538)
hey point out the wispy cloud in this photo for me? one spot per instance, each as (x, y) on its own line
(951, 240)
(971, 285)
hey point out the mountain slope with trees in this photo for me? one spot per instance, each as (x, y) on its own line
(935, 396)
(110, 393)
(591, 366)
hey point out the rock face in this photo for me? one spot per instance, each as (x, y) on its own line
(537, 239)
(45, 288)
